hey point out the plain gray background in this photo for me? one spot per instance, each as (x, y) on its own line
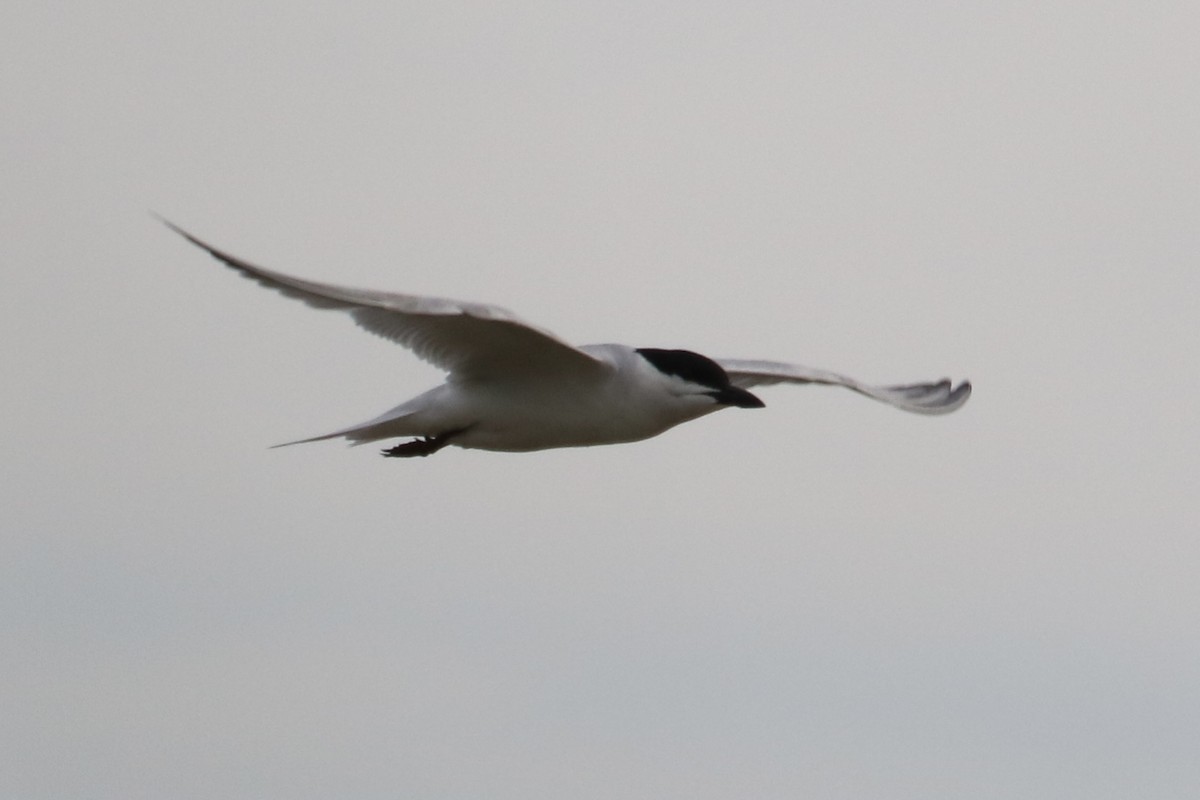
(827, 598)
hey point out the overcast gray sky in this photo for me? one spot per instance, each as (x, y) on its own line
(827, 598)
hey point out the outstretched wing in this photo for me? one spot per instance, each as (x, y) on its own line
(940, 397)
(469, 340)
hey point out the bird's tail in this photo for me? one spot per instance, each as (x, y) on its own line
(387, 426)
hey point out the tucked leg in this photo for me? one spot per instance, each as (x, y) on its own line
(420, 447)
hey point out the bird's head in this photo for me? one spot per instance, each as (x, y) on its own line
(693, 376)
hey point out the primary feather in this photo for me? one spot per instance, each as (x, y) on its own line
(938, 397)
(472, 340)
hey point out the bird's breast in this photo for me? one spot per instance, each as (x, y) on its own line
(538, 415)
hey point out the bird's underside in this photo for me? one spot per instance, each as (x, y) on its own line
(515, 387)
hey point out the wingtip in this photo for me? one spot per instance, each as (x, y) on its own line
(197, 241)
(957, 397)
(172, 226)
(940, 397)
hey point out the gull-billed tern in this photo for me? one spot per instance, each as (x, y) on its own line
(514, 387)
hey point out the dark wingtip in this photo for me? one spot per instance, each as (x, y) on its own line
(220, 255)
(951, 398)
(961, 393)
(177, 229)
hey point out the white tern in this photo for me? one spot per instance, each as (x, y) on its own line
(514, 387)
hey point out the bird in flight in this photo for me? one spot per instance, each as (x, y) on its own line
(514, 387)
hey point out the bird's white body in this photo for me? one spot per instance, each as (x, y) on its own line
(514, 387)
(624, 400)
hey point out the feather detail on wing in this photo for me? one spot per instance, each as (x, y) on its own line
(939, 397)
(470, 340)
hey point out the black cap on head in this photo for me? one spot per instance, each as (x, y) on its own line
(700, 370)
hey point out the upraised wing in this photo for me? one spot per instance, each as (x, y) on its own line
(469, 340)
(940, 397)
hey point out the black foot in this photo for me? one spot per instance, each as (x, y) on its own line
(420, 447)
